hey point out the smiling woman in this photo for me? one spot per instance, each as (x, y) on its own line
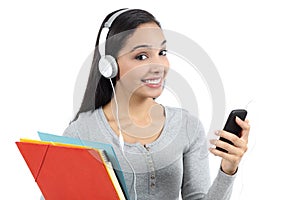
(143, 62)
(162, 150)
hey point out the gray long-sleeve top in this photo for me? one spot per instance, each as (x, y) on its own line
(175, 164)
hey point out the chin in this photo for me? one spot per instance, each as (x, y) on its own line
(155, 95)
(149, 93)
(152, 95)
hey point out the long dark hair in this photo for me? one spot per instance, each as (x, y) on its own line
(98, 90)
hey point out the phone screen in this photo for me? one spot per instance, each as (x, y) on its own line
(231, 126)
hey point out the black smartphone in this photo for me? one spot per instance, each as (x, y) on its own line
(231, 126)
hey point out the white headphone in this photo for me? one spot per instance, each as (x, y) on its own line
(107, 65)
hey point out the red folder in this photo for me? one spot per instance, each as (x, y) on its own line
(68, 173)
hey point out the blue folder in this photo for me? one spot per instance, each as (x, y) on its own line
(107, 147)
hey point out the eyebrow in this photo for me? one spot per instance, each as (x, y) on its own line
(146, 46)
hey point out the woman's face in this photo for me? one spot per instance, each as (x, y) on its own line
(142, 61)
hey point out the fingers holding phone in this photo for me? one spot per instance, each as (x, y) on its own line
(228, 147)
(245, 128)
(233, 141)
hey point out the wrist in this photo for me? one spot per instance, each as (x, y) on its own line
(228, 170)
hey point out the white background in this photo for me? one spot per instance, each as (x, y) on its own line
(254, 44)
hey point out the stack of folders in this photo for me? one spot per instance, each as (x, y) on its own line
(69, 168)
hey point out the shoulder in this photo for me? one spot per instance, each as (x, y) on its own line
(182, 117)
(86, 115)
(85, 121)
(181, 114)
(187, 125)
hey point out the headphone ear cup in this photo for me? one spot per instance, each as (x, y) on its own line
(108, 66)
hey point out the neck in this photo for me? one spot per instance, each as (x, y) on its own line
(134, 107)
(138, 116)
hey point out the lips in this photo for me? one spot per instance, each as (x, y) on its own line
(153, 81)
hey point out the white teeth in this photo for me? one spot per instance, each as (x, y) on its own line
(152, 81)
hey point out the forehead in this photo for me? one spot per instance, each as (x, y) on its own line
(149, 34)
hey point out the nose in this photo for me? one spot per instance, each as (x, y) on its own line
(157, 69)
(159, 65)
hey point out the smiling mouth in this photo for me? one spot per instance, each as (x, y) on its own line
(152, 81)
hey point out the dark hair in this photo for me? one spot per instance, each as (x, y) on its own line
(98, 90)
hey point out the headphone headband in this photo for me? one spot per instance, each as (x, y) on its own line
(105, 30)
(113, 17)
(107, 65)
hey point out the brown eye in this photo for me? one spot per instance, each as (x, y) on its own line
(163, 53)
(141, 57)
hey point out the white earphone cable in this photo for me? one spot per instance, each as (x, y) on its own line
(121, 140)
(117, 116)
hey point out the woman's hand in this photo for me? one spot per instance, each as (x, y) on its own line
(236, 151)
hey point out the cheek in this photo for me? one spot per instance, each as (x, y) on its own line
(166, 66)
(131, 70)
(123, 68)
(130, 79)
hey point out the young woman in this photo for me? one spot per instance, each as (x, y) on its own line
(162, 150)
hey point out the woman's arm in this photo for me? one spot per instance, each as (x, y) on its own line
(196, 176)
(231, 160)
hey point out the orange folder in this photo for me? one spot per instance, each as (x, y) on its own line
(68, 172)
